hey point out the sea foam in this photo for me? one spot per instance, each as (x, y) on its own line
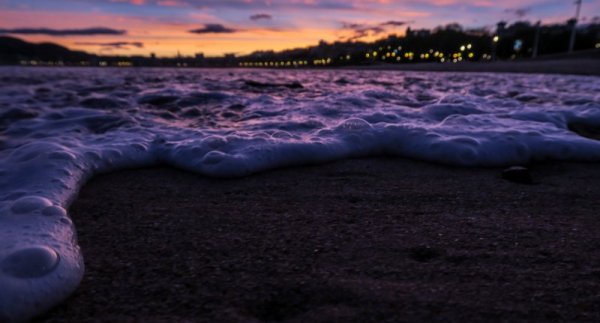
(61, 126)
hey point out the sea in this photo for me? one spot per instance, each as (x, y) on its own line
(61, 126)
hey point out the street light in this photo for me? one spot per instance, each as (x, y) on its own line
(495, 41)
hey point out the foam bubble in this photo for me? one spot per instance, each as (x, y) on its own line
(32, 262)
(29, 204)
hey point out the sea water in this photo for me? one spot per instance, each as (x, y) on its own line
(61, 126)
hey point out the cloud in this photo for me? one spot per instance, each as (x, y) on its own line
(116, 45)
(213, 29)
(134, 2)
(240, 4)
(361, 30)
(260, 16)
(395, 23)
(64, 32)
(519, 12)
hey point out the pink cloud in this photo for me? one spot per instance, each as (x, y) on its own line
(171, 3)
(135, 2)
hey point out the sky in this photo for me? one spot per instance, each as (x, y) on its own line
(216, 27)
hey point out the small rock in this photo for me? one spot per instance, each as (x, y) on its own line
(517, 174)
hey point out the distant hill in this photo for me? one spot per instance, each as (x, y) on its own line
(13, 50)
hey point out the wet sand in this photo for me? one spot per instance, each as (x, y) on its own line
(379, 239)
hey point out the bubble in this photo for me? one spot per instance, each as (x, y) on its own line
(54, 210)
(66, 221)
(213, 157)
(469, 141)
(32, 262)
(215, 142)
(61, 155)
(29, 203)
(355, 124)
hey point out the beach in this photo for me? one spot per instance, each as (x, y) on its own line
(377, 239)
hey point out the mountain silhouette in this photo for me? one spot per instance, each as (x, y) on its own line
(13, 50)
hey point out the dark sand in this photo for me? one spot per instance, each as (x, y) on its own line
(360, 240)
(580, 66)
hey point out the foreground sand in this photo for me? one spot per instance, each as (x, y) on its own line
(359, 240)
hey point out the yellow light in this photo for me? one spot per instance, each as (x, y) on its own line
(469, 46)
(496, 39)
(398, 58)
(393, 54)
(388, 54)
(375, 54)
(442, 60)
(597, 45)
(348, 57)
(368, 55)
(471, 55)
(462, 48)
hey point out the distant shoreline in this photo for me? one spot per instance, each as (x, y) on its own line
(582, 66)
(586, 66)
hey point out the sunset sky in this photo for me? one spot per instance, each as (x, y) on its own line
(215, 27)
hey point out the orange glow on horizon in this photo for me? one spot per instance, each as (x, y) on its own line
(241, 27)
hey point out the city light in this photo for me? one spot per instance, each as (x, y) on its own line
(496, 39)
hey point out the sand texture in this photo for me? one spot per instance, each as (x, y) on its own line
(379, 239)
